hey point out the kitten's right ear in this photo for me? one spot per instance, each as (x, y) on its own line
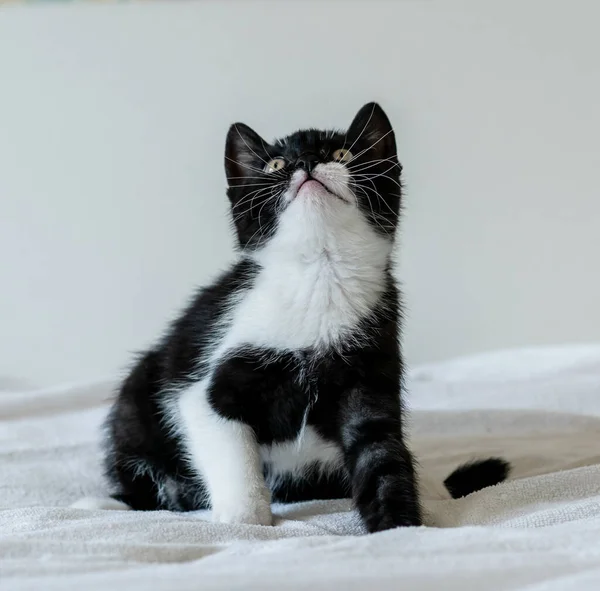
(242, 151)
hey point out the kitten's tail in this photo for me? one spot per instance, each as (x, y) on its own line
(476, 475)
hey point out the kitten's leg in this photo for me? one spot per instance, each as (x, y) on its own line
(137, 482)
(226, 456)
(380, 465)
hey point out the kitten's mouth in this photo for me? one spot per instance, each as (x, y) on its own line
(312, 184)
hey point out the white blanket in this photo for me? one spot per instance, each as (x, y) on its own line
(541, 530)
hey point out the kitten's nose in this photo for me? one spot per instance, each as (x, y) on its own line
(307, 161)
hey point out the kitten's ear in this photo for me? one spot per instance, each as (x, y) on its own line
(242, 150)
(372, 126)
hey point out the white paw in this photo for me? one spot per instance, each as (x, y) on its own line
(255, 513)
(100, 503)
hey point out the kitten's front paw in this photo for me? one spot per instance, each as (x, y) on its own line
(398, 506)
(389, 518)
(256, 513)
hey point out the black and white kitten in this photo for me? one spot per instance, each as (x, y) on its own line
(282, 380)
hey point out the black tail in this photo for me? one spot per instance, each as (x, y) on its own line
(476, 475)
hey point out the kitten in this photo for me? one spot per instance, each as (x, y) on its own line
(282, 380)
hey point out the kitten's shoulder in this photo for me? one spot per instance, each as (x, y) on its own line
(218, 293)
(188, 336)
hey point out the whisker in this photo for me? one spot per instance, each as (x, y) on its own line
(273, 196)
(374, 176)
(248, 197)
(372, 163)
(360, 134)
(260, 227)
(264, 199)
(252, 185)
(276, 173)
(370, 147)
(241, 214)
(382, 174)
(264, 177)
(252, 200)
(375, 216)
(247, 146)
(370, 204)
(379, 196)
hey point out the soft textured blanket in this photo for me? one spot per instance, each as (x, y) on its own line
(541, 530)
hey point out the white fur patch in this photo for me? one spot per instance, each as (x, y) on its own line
(100, 503)
(226, 456)
(293, 457)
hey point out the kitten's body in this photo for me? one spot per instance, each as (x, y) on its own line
(272, 343)
(283, 378)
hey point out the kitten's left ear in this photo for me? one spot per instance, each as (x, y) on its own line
(372, 126)
(242, 151)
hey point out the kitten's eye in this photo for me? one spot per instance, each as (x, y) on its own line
(275, 164)
(342, 155)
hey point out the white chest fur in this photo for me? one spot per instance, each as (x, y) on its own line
(321, 274)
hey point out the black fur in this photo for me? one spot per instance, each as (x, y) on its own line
(476, 475)
(352, 390)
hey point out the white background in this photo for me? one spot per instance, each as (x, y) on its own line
(112, 126)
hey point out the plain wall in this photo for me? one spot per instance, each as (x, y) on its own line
(112, 126)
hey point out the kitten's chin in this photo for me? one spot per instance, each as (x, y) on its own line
(316, 190)
(310, 186)
(312, 189)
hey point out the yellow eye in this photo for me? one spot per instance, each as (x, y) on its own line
(342, 155)
(275, 164)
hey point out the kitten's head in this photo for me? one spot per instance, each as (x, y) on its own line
(314, 183)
